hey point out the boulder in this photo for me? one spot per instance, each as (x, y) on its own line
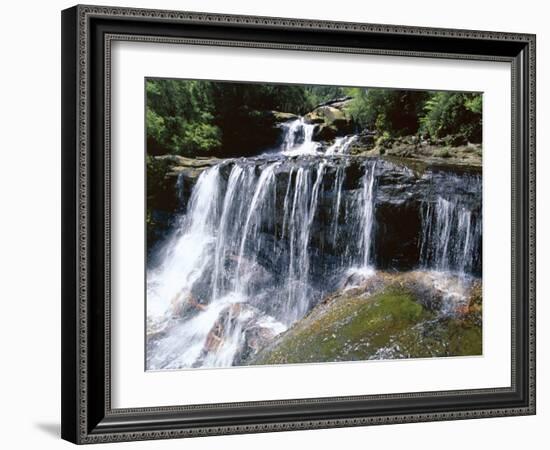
(331, 122)
(280, 117)
(190, 168)
(387, 317)
(324, 132)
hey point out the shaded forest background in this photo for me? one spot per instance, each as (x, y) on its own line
(197, 117)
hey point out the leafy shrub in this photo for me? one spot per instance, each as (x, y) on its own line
(393, 111)
(384, 140)
(450, 113)
(190, 117)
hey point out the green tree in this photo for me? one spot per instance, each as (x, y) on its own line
(179, 117)
(453, 113)
(320, 94)
(391, 111)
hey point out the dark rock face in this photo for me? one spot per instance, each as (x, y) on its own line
(248, 134)
(396, 242)
(401, 195)
(180, 174)
(324, 132)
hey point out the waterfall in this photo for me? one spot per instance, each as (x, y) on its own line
(341, 145)
(367, 213)
(262, 240)
(242, 257)
(337, 190)
(257, 206)
(449, 246)
(300, 220)
(298, 138)
(185, 256)
(451, 236)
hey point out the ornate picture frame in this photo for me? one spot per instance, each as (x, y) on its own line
(88, 33)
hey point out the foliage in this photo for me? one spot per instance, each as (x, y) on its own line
(387, 110)
(179, 117)
(448, 113)
(321, 94)
(190, 117)
(397, 113)
(384, 140)
(228, 97)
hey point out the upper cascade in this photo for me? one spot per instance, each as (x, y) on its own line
(297, 140)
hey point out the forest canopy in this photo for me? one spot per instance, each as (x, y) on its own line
(191, 117)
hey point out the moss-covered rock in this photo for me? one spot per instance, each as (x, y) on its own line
(390, 316)
(279, 116)
(331, 122)
(190, 168)
(348, 327)
(448, 152)
(326, 114)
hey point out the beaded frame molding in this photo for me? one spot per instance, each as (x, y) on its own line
(87, 35)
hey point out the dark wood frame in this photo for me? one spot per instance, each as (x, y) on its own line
(87, 32)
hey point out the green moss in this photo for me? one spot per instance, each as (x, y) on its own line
(464, 339)
(350, 328)
(442, 337)
(390, 324)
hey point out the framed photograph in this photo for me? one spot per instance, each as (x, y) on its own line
(279, 224)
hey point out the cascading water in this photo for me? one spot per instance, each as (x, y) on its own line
(337, 202)
(220, 274)
(341, 145)
(451, 245)
(264, 239)
(298, 138)
(451, 236)
(367, 209)
(183, 257)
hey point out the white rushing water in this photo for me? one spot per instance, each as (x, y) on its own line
(240, 258)
(450, 236)
(449, 246)
(341, 145)
(184, 257)
(298, 138)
